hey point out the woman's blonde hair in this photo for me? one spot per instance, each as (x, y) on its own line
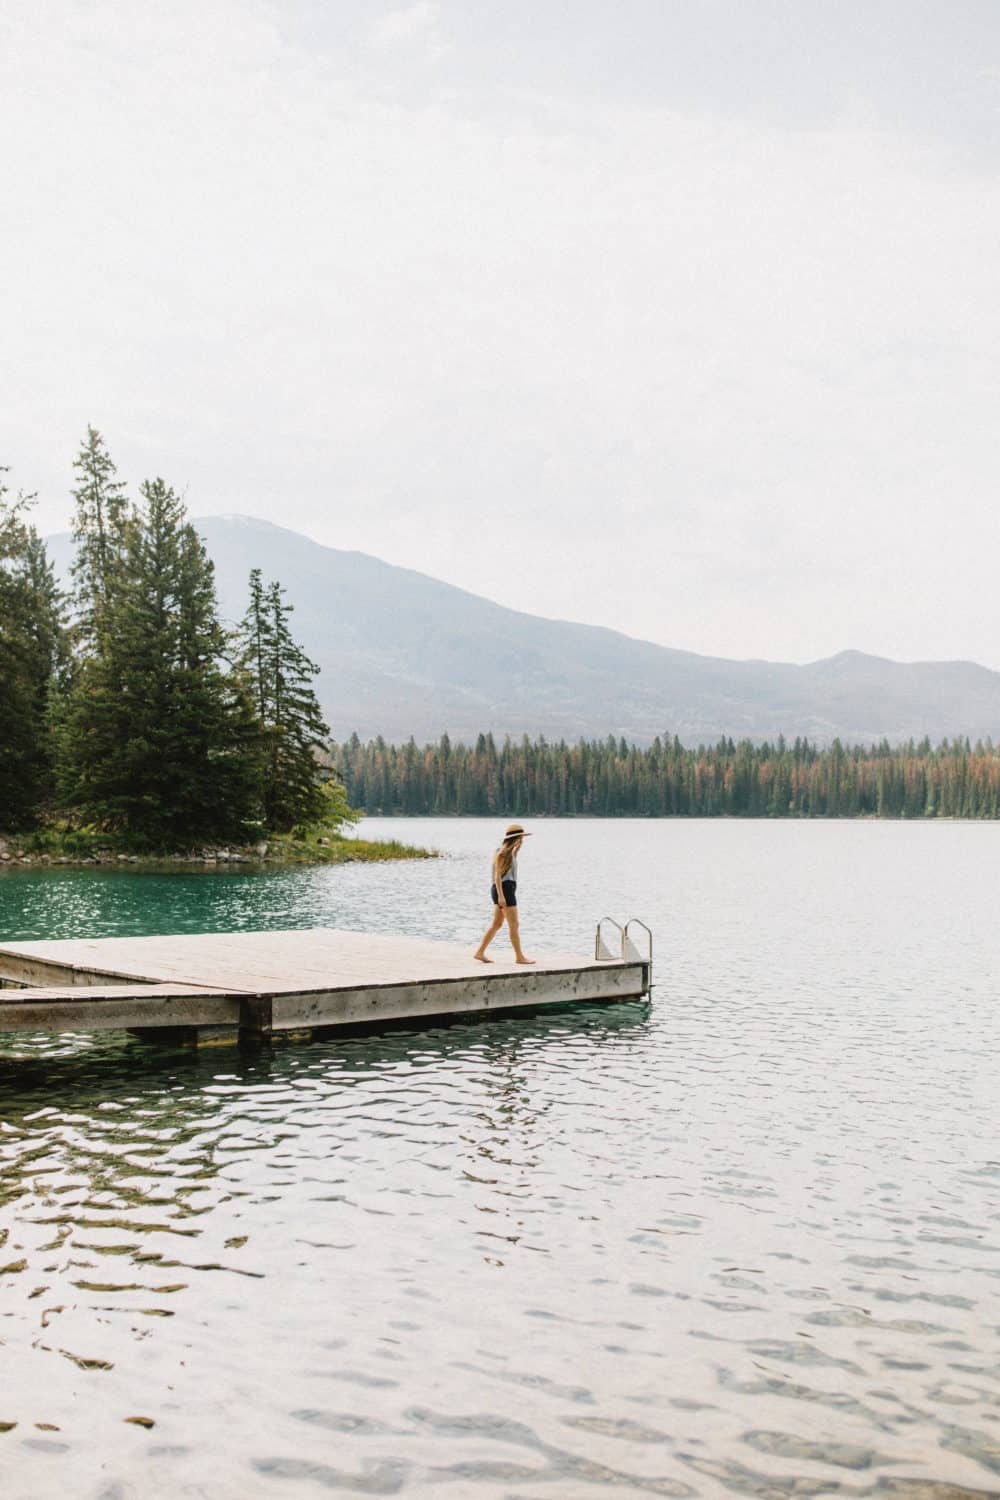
(505, 856)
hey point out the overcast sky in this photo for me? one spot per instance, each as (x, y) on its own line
(677, 316)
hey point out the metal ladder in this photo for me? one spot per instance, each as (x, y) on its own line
(626, 947)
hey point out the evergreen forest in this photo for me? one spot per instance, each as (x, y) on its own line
(610, 778)
(125, 705)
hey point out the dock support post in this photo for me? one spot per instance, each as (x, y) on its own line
(165, 1036)
(255, 1016)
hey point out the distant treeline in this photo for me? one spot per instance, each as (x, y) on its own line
(610, 778)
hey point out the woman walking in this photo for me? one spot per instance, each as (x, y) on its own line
(503, 894)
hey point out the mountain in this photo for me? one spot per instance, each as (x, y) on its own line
(405, 654)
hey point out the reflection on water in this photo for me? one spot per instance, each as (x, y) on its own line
(743, 1241)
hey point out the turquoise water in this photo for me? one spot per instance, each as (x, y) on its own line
(742, 1241)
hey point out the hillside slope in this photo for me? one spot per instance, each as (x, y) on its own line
(405, 654)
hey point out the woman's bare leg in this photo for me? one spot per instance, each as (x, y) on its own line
(489, 935)
(514, 928)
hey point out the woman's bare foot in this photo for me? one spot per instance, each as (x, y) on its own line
(482, 958)
(523, 960)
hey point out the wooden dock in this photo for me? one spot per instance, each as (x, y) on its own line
(258, 983)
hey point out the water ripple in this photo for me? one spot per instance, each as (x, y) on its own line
(741, 1242)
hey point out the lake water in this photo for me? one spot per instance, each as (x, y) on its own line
(742, 1241)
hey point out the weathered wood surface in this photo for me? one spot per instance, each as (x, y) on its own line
(79, 1007)
(263, 981)
(97, 993)
(525, 988)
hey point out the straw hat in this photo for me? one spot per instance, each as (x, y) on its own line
(515, 831)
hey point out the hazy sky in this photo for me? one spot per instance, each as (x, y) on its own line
(678, 316)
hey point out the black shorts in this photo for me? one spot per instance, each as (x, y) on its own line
(509, 892)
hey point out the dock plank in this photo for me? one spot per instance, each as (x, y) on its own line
(98, 992)
(285, 980)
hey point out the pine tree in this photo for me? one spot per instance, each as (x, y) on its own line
(33, 661)
(99, 528)
(256, 647)
(293, 788)
(17, 729)
(280, 676)
(50, 662)
(158, 736)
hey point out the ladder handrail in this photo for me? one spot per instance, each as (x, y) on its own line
(629, 952)
(597, 939)
(636, 922)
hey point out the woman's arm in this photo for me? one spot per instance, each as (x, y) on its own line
(501, 901)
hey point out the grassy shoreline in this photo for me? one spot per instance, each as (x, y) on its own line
(87, 848)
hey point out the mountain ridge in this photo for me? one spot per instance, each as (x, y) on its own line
(404, 653)
(239, 518)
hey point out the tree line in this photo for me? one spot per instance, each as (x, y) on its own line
(611, 778)
(125, 704)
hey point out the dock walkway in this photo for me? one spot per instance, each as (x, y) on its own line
(256, 983)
